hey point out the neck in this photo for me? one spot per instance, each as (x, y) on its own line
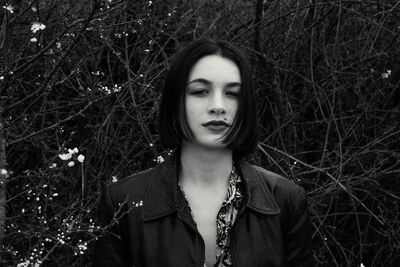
(205, 166)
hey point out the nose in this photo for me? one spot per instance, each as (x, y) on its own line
(217, 105)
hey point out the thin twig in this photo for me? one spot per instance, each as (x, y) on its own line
(327, 174)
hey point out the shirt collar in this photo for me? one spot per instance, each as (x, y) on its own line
(162, 199)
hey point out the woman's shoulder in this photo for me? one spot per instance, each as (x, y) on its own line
(282, 188)
(275, 180)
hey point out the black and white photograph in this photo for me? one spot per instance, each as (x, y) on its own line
(208, 133)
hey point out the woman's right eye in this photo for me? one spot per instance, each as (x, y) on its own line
(198, 92)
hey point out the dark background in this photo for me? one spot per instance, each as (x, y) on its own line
(90, 78)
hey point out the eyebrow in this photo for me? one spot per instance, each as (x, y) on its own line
(207, 82)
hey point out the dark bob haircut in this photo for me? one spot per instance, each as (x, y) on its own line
(173, 126)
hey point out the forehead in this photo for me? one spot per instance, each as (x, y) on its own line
(216, 69)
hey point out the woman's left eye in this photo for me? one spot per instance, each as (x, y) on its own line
(232, 93)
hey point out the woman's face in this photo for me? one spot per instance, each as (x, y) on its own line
(211, 100)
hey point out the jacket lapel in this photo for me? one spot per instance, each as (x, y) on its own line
(258, 196)
(162, 197)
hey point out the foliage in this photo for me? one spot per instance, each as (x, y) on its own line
(88, 75)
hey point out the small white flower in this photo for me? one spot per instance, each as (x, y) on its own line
(362, 265)
(53, 166)
(58, 44)
(9, 8)
(33, 40)
(3, 172)
(71, 164)
(114, 179)
(160, 159)
(55, 195)
(386, 74)
(37, 26)
(34, 9)
(65, 156)
(81, 158)
(1, 77)
(82, 247)
(73, 151)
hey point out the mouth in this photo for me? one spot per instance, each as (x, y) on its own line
(216, 125)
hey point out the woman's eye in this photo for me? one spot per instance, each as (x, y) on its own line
(199, 92)
(232, 93)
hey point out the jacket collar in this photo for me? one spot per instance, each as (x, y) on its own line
(162, 196)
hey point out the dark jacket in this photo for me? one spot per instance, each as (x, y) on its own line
(149, 223)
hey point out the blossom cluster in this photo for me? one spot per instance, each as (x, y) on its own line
(108, 90)
(70, 155)
(64, 237)
(41, 224)
(386, 74)
(160, 159)
(82, 247)
(5, 173)
(9, 8)
(37, 26)
(33, 260)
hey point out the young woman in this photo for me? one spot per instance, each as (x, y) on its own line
(205, 206)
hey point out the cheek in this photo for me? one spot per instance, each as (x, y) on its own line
(194, 106)
(233, 107)
(191, 111)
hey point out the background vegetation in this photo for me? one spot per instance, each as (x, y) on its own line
(88, 75)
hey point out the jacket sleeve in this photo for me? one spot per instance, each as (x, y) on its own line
(298, 246)
(110, 248)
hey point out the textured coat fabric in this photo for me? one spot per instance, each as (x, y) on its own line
(148, 222)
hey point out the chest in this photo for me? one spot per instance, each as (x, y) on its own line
(175, 241)
(204, 212)
(206, 226)
(204, 207)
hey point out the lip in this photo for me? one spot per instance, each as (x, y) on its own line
(216, 126)
(216, 123)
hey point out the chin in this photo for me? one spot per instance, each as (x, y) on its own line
(216, 144)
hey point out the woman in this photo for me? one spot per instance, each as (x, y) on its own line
(205, 206)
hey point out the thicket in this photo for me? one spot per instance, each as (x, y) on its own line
(80, 84)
